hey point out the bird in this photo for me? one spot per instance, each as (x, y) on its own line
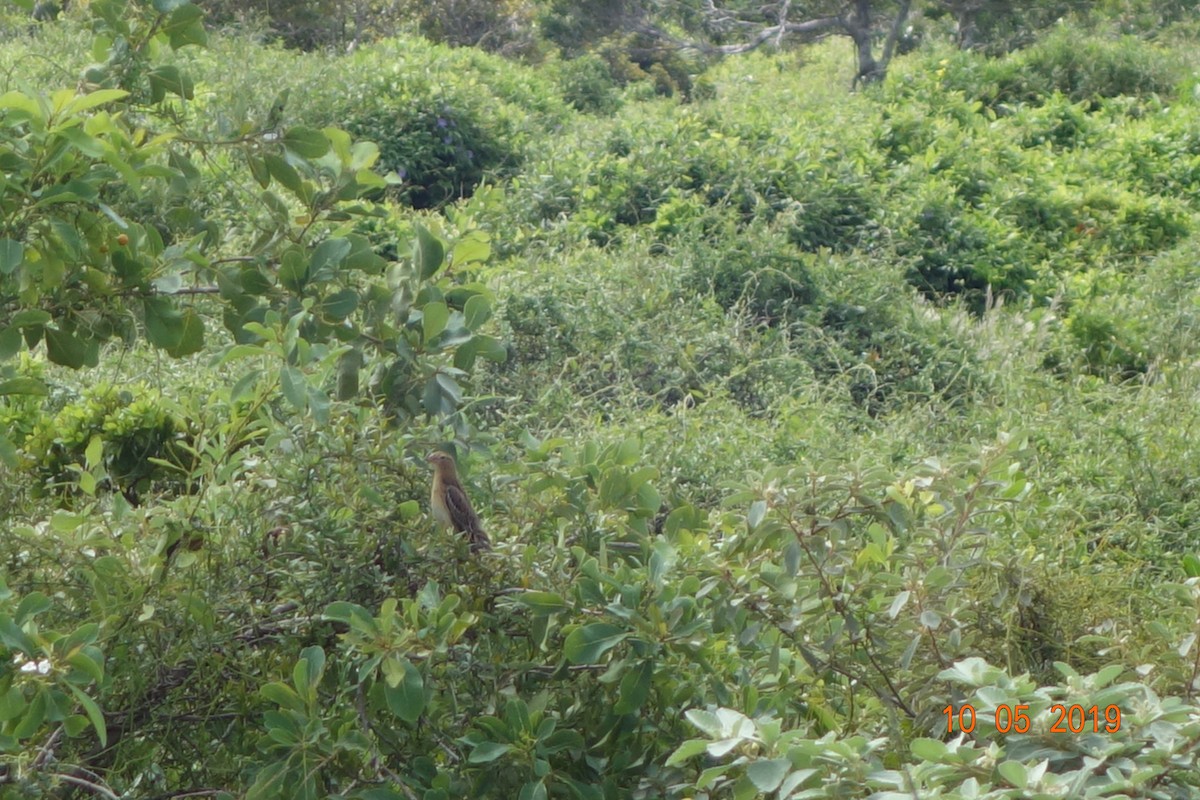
(450, 505)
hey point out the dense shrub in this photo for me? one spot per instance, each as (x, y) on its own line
(444, 119)
(587, 84)
(133, 433)
(1110, 345)
(758, 274)
(1096, 67)
(1084, 68)
(954, 249)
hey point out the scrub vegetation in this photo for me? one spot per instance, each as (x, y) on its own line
(815, 417)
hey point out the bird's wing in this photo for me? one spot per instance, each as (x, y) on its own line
(464, 517)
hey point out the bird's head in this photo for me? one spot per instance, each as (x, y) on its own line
(440, 460)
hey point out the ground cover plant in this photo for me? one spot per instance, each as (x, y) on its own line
(831, 443)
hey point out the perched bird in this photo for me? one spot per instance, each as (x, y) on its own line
(450, 504)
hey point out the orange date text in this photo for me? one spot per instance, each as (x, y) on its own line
(1015, 719)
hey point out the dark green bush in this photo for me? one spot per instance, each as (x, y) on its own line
(1159, 157)
(955, 250)
(587, 84)
(1095, 67)
(1082, 67)
(1110, 346)
(767, 278)
(1058, 123)
(440, 150)
(885, 351)
(445, 120)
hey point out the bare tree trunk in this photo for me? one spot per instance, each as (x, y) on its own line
(858, 28)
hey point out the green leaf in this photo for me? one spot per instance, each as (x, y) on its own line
(293, 386)
(93, 713)
(164, 322)
(433, 320)
(258, 170)
(8, 453)
(293, 271)
(793, 781)
(12, 703)
(69, 350)
(428, 254)
(167, 79)
(281, 694)
(407, 699)
(29, 317)
(29, 386)
(83, 662)
(94, 451)
(758, 510)
(327, 257)
(340, 305)
(19, 101)
(35, 714)
(635, 688)
(10, 342)
(306, 675)
(353, 615)
(348, 366)
(185, 26)
(362, 256)
(1014, 772)
(486, 752)
(14, 638)
(31, 605)
(191, 336)
(533, 790)
(65, 521)
(689, 749)
(585, 645)
(306, 142)
(542, 603)
(490, 348)
(319, 403)
(928, 749)
(12, 254)
(91, 100)
(473, 248)
(767, 774)
(476, 312)
(449, 389)
(285, 173)
(269, 782)
(1191, 565)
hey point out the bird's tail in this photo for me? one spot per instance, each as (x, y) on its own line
(479, 540)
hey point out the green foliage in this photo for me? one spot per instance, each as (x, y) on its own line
(48, 682)
(1084, 69)
(772, 283)
(587, 84)
(435, 125)
(754, 527)
(129, 437)
(994, 765)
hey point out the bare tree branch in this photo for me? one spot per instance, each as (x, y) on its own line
(807, 28)
(889, 46)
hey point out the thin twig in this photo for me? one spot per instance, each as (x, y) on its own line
(94, 788)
